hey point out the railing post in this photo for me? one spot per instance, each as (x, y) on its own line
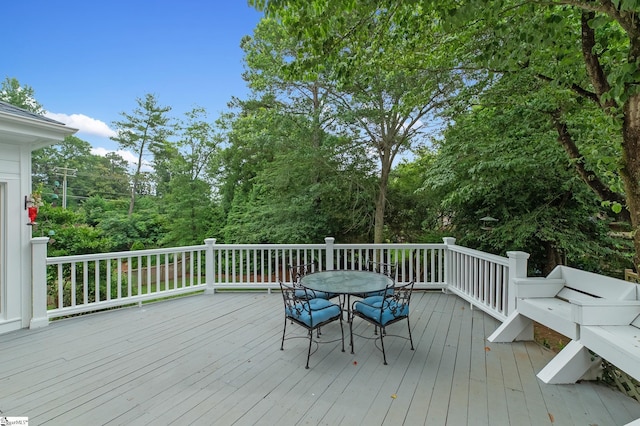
(448, 259)
(518, 261)
(329, 241)
(209, 269)
(39, 282)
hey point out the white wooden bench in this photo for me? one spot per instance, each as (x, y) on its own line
(574, 302)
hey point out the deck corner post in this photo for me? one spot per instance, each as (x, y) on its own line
(449, 240)
(518, 263)
(39, 316)
(209, 268)
(329, 241)
(448, 260)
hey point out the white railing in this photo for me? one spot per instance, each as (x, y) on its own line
(479, 277)
(92, 282)
(421, 263)
(262, 266)
(71, 285)
(259, 266)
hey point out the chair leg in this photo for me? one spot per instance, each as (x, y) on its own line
(351, 334)
(283, 333)
(342, 331)
(410, 338)
(384, 355)
(309, 351)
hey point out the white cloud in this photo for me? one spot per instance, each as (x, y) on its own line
(83, 123)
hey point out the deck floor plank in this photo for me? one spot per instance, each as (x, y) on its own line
(216, 359)
(534, 400)
(439, 406)
(478, 408)
(422, 338)
(557, 412)
(496, 388)
(459, 398)
(433, 348)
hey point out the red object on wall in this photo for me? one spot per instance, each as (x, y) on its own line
(33, 213)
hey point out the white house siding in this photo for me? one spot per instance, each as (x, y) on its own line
(14, 240)
(20, 133)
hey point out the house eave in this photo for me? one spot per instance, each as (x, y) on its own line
(34, 133)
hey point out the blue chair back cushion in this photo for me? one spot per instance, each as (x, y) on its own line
(372, 309)
(321, 310)
(387, 292)
(302, 294)
(372, 300)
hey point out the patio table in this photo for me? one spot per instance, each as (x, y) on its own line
(346, 283)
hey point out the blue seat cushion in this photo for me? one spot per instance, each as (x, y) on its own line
(390, 312)
(321, 311)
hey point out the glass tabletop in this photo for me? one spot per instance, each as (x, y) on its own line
(346, 282)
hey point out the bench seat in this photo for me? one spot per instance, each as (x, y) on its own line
(566, 316)
(550, 312)
(618, 344)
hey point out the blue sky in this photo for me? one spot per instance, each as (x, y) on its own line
(88, 61)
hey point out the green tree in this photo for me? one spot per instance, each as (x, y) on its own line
(21, 96)
(108, 178)
(189, 199)
(281, 167)
(588, 48)
(144, 229)
(414, 213)
(267, 54)
(389, 122)
(87, 174)
(376, 100)
(514, 172)
(51, 164)
(144, 131)
(281, 187)
(68, 234)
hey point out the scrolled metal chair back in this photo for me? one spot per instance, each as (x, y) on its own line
(293, 303)
(398, 301)
(299, 271)
(388, 269)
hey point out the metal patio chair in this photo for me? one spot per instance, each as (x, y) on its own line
(384, 311)
(308, 312)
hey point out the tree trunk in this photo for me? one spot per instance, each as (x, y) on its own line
(136, 177)
(381, 201)
(630, 162)
(553, 258)
(132, 200)
(589, 177)
(630, 170)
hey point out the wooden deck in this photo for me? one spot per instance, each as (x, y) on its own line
(216, 359)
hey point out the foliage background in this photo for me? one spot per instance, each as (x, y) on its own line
(380, 122)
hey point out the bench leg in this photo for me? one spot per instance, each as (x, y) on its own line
(515, 327)
(569, 365)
